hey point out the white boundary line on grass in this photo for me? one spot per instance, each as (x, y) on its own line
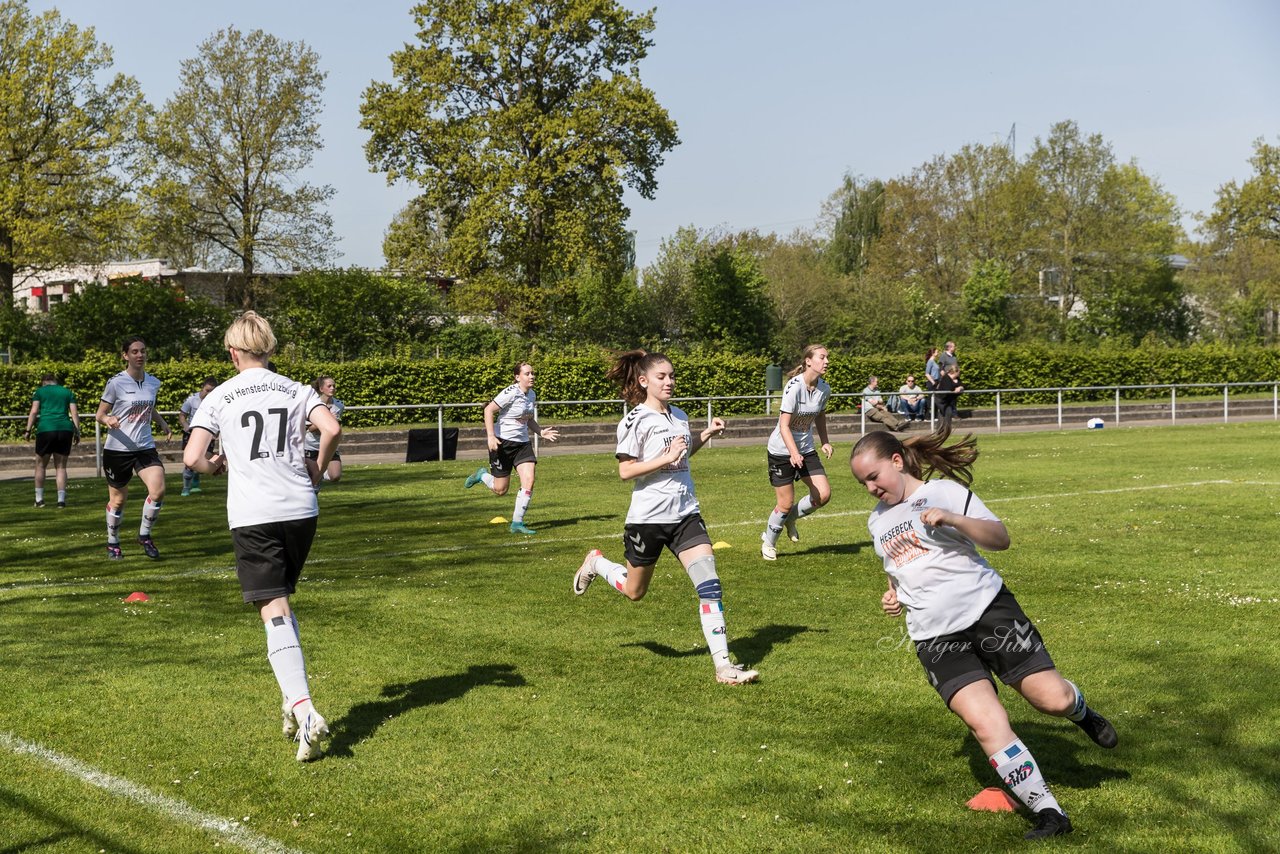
(228, 830)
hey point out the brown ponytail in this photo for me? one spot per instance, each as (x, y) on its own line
(804, 357)
(924, 455)
(626, 371)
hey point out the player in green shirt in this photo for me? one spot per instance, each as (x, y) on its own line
(57, 424)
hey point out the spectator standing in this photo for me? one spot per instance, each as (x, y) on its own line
(947, 358)
(191, 478)
(873, 407)
(932, 373)
(911, 400)
(57, 424)
(949, 389)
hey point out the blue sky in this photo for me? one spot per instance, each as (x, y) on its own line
(775, 103)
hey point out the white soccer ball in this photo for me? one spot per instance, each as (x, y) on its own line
(1095, 424)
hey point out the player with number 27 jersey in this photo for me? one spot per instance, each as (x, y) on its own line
(252, 412)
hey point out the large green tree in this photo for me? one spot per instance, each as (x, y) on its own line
(1252, 208)
(66, 135)
(523, 121)
(230, 147)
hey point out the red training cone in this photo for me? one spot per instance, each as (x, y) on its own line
(992, 799)
(137, 596)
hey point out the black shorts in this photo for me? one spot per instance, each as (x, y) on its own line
(54, 442)
(315, 455)
(503, 461)
(642, 544)
(783, 473)
(1003, 641)
(119, 466)
(269, 557)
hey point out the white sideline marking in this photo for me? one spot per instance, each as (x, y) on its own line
(230, 831)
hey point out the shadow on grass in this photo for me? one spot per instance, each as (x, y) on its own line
(751, 649)
(548, 524)
(837, 548)
(363, 719)
(66, 829)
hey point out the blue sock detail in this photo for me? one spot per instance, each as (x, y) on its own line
(709, 589)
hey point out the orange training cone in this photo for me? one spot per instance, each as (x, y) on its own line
(137, 596)
(992, 799)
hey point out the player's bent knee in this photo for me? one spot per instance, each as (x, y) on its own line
(702, 572)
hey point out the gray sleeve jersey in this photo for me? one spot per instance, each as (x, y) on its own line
(190, 405)
(515, 408)
(804, 406)
(666, 495)
(311, 440)
(134, 403)
(944, 583)
(261, 417)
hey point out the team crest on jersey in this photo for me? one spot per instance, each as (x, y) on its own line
(919, 504)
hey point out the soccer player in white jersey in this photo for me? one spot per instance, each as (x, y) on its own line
(261, 417)
(791, 451)
(654, 446)
(190, 479)
(127, 409)
(509, 445)
(325, 387)
(963, 620)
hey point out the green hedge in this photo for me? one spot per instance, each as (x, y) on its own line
(581, 377)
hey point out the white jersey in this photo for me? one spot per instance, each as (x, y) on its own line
(666, 495)
(134, 403)
(311, 441)
(804, 406)
(261, 417)
(190, 405)
(515, 409)
(943, 582)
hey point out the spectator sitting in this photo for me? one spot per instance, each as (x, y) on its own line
(873, 407)
(949, 389)
(911, 400)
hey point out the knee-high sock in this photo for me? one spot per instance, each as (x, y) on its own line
(284, 651)
(150, 512)
(187, 475)
(487, 480)
(773, 528)
(1021, 773)
(114, 517)
(702, 572)
(523, 498)
(804, 507)
(614, 573)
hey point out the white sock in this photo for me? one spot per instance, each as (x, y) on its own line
(1080, 708)
(487, 480)
(62, 496)
(614, 573)
(325, 476)
(1020, 772)
(284, 652)
(150, 512)
(522, 504)
(804, 507)
(114, 517)
(39, 493)
(773, 528)
(713, 629)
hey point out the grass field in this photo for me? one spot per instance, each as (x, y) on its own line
(478, 705)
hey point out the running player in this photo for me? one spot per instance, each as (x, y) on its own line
(127, 409)
(261, 417)
(325, 387)
(962, 618)
(56, 421)
(191, 479)
(654, 446)
(509, 445)
(791, 449)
